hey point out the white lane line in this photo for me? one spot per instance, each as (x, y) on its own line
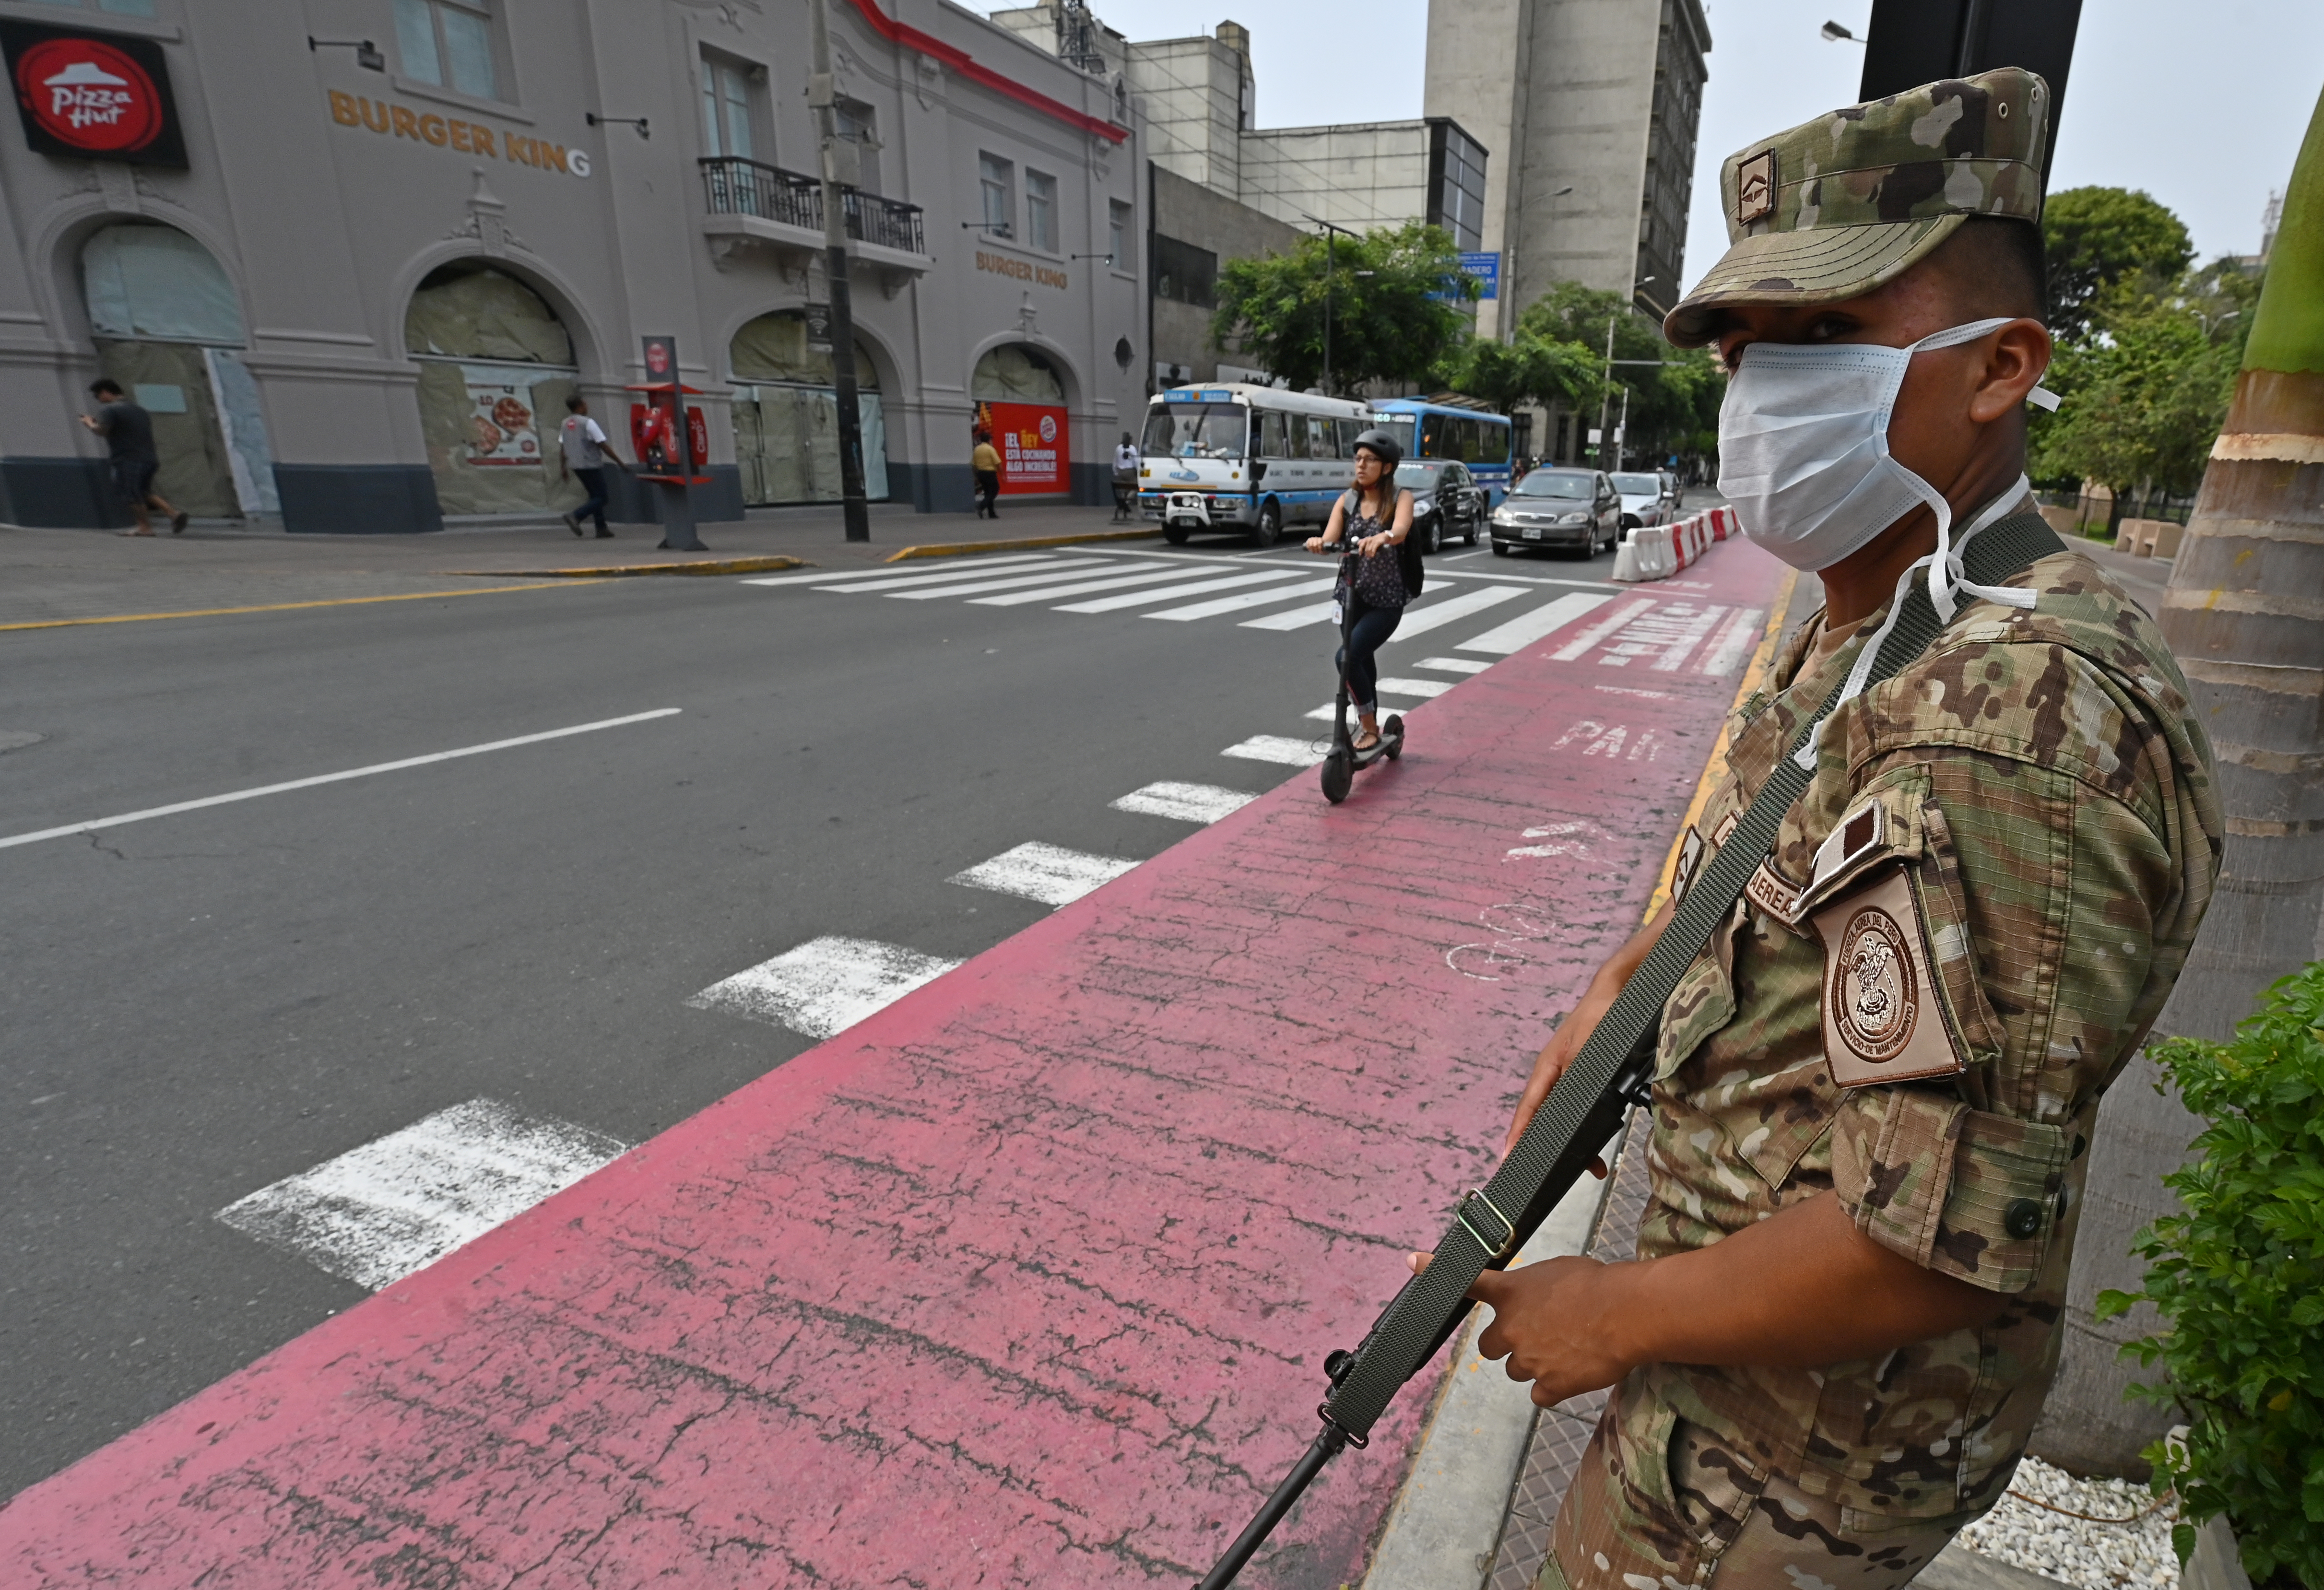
(1679, 641)
(267, 789)
(1208, 610)
(1429, 615)
(1022, 582)
(1188, 803)
(1050, 874)
(1733, 643)
(1276, 748)
(377, 1213)
(1546, 619)
(1298, 618)
(825, 986)
(1111, 582)
(1452, 665)
(1172, 593)
(1581, 644)
(913, 570)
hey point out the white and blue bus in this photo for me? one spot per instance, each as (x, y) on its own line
(1447, 428)
(1248, 458)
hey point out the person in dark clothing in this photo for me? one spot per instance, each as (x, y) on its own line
(584, 450)
(986, 463)
(1375, 518)
(128, 433)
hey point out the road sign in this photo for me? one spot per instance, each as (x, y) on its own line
(1487, 269)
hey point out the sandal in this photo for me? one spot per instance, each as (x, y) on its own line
(1361, 744)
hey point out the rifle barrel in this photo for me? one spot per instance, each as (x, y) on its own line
(1326, 1446)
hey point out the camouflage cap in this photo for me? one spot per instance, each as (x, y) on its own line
(1839, 204)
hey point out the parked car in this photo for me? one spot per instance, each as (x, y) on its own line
(1446, 501)
(1559, 507)
(1645, 499)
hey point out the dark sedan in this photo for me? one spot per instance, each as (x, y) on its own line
(1446, 501)
(1576, 509)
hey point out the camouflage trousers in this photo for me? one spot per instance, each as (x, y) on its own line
(1706, 1521)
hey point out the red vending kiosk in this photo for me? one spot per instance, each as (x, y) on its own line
(672, 442)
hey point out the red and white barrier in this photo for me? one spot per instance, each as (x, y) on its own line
(1657, 552)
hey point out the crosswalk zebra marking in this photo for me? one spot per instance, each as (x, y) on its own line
(1022, 582)
(1452, 665)
(1172, 593)
(1225, 604)
(914, 570)
(1430, 615)
(922, 580)
(1276, 748)
(1188, 803)
(1544, 621)
(825, 986)
(1298, 618)
(1051, 874)
(1732, 643)
(1581, 644)
(1111, 581)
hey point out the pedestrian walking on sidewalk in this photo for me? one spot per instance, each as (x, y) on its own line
(1876, 1091)
(584, 449)
(128, 433)
(986, 462)
(1125, 480)
(1375, 518)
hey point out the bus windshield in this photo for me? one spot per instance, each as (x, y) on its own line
(1196, 430)
(1399, 426)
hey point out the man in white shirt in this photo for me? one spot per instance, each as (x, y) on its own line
(584, 446)
(1125, 478)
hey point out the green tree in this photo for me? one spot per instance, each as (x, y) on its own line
(2099, 237)
(1526, 369)
(1393, 300)
(1674, 396)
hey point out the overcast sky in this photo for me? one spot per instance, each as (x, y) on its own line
(2201, 106)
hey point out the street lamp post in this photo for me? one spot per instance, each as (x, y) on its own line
(1331, 269)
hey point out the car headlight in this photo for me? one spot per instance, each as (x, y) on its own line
(1421, 505)
(1575, 518)
(1503, 518)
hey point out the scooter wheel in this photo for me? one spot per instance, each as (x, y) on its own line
(1339, 777)
(1392, 735)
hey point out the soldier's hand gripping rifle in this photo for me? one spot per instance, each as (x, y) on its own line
(1612, 1071)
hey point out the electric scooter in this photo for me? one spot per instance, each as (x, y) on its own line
(1345, 761)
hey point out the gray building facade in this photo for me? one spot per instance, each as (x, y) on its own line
(361, 297)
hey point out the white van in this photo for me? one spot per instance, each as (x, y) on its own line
(1253, 458)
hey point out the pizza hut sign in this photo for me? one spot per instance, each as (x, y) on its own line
(93, 95)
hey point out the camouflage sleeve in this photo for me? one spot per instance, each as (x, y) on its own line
(2041, 892)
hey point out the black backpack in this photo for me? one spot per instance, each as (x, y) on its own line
(1409, 561)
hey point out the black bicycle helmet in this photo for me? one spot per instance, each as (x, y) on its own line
(1383, 445)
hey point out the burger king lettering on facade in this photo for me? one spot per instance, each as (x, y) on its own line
(381, 116)
(93, 95)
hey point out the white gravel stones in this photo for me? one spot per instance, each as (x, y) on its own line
(2135, 1556)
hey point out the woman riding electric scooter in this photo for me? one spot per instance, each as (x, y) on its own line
(1377, 517)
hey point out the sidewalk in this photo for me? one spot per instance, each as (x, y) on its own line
(1027, 1279)
(49, 575)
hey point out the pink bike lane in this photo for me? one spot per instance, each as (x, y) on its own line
(1026, 1279)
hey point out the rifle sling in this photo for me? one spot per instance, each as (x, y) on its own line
(1614, 1066)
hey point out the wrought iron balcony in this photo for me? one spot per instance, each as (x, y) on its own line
(738, 187)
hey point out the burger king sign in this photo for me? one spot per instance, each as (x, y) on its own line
(93, 95)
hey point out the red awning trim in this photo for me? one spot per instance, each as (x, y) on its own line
(960, 60)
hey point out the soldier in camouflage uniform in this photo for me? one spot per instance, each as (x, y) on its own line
(1875, 1089)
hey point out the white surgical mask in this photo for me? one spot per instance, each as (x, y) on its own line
(1804, 445)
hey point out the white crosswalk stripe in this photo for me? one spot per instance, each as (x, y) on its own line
(883, 584)
(917, 568)
(977, 587)
(1276, 747)
(1172, 593)
(1452, 665)
(1248, 599)
(1188, 803)
(1111, 582)
(1582, 643)
(1424, 616)
(1298, 618)
(1051, 874)
(823, 986)
(1542, 621)
(375, 1214)
(1732, 643)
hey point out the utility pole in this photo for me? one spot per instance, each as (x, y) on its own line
(836, 184)
(1606, 395)
(1331, 270)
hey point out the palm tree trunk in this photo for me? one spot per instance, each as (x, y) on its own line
(2245, 614)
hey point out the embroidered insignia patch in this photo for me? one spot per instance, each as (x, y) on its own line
(1770, 893)
(1754, 188)
(1726, 829)
(1690, 857)
(1881, 1023)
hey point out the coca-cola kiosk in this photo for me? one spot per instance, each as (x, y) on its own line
(673, 441)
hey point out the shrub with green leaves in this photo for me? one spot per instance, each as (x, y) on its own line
(2240, 1277)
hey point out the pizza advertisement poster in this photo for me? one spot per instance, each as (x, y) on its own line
(1036, 450)
(93, 95)
(501, 427)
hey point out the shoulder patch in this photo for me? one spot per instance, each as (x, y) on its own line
(1881, 1019)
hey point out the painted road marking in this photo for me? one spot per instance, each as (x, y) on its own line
(1298, 618)
(398, 1204)
(267, 789)
(825, 986)
(1188, 803)
(904, 571)
(1101, 581)
(1207, 610)
(912, 577)
(1051, 874)
(1542, 621)
(977, 587)
(214, 612)
(1419, 621)
(1452, 665)
(1276, 747)
(1732, 643)
(1171, 593)
(1422, 688)
(1677, 629)
(1581, 644)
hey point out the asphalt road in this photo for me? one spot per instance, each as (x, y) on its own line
(202, 1004)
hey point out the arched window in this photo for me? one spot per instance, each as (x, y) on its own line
(786, 414)
(167, 322)
(496, 367)
(1016, 372)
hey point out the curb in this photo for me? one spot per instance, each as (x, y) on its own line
(714, 565)
(1020, 544)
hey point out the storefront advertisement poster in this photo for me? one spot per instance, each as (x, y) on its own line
(1036, 451)
(500, 425)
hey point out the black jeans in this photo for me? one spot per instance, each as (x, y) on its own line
(1368, 632)
(988, 494)
(593, 481)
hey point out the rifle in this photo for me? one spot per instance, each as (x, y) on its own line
(1613, 1071)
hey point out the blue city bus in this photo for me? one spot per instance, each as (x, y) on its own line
(1449, 427)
